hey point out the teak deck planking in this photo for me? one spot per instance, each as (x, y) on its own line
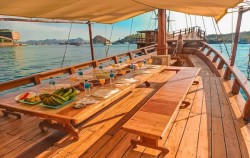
(192, 133)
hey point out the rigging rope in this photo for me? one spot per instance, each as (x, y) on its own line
(149, 24)
(204, 24)
(190, 20)
(109, 40)
(248, 66)
(66, 46)
(232, 30)
(223, 40)
(186, 20)
(131, 27)
(216, 35)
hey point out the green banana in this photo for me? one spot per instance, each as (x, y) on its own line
(45, 101)
(52, 102)
(56, 100)
(58, 91)
(59, 97)
(73, 94)
(67, 93)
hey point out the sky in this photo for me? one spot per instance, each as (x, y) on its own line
(41, 31)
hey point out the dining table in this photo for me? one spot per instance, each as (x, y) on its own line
(66, 118)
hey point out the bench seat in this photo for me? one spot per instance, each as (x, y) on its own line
(152, 120)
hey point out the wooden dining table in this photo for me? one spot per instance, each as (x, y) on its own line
(67, 117)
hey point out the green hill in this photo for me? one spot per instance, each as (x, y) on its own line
(243, 38)
(129, 39)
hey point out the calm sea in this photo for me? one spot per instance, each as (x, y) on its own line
(16, 62)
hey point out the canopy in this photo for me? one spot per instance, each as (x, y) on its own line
(109, 11)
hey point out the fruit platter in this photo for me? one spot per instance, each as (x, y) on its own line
(59, 98)
(28, 98)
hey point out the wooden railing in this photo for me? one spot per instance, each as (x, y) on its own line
(232, 73)
(36, 79)
(200, 33)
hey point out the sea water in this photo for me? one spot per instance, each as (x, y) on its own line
(17, 62)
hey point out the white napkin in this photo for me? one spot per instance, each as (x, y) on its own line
(127, 80)
(105, 93)
(87, 101)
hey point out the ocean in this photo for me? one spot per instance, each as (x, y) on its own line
(16, 62)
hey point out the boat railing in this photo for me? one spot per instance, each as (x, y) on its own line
(237, 80)
(197, 29)
(144, 52)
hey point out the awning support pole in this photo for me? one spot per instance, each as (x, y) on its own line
(236, 36)
(91, 42)
(162, 48)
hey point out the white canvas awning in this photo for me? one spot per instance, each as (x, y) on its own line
(110, 11)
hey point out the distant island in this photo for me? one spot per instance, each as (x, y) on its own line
(244, 38)
(79, 41)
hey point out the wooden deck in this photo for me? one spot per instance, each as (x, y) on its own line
(209, 127)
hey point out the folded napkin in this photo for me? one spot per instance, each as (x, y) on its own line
(87, 101)
(105, 93)
(127, 80)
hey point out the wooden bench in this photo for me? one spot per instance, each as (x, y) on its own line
(152, 120)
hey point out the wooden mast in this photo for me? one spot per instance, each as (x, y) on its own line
(91, 41)
(162, 48)
(236, 36)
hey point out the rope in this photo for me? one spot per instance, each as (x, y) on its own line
(131, 27)
(232, 30)
(149, 24)
(186, 20)
(248, 66)
(110, 39)
(223, 41)
(216, 35)
(204, 24)
(195, 21)
(190, 20)
(66, 46)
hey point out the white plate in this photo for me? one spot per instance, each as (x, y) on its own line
(32, 94)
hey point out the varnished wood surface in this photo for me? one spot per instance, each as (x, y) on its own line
(68, 113)
(210, 125)
(154, 117)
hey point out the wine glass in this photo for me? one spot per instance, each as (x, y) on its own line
(140, 65)
(123, 72)
(72, 79)
(150, 61)
(128, 61)
(102, 81)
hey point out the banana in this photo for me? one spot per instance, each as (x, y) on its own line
(67, 98)
(56, 100)
(67, 93)
(45, 100)
(52, 102)
(58, 91)
(73, 94)
(59, 97)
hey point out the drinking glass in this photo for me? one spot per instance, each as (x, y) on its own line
(140, 65)
(72, 80)
(112, 76)
(102, 81)
(123, 72)
(131, 67)
(87, 88)
(52, 84)
(100, 66)
(113, 66)
(128, 61)
(80, 74)
(120, 61)
(150, 61)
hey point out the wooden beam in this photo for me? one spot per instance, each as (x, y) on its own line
(162, 48)
(236, 36)
(91, 41)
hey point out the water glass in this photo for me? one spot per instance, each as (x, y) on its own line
(100, 66)
(87, 88)
(80, 74)
(112, 76)
(52, 84)
(131, 67)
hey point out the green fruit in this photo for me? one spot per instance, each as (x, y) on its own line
(45, 101)
(67, 93)
(57, 101)
(73, 94)
(58, 91)
(59, 97)
(52, 102)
